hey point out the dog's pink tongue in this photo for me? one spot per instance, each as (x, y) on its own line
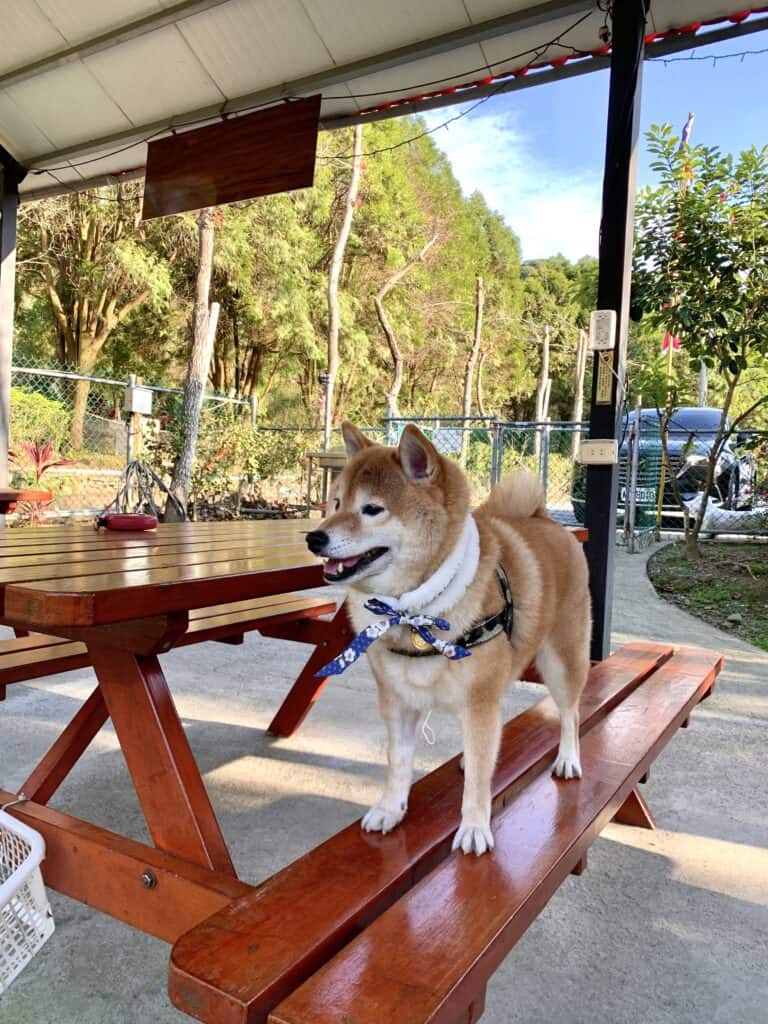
(334, 565)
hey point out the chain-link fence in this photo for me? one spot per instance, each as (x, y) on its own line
(278, 469)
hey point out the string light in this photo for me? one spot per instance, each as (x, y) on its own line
(536, 53)
(714, 57)
(604, 6)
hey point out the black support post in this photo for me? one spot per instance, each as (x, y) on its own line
(11, 174)
(628, 33)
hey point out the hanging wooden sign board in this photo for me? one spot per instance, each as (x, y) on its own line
(258, 154)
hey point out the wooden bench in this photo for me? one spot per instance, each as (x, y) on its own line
(35, 655)
(394, 928)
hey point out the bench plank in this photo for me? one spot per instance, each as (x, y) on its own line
(239, 964)
(30, 657)
(426, 960)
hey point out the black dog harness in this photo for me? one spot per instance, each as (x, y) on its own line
(480, 633)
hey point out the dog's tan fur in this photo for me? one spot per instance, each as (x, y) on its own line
(426, 500)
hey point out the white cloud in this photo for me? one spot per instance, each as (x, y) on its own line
(550, 212)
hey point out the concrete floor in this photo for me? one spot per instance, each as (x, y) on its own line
(666, 927)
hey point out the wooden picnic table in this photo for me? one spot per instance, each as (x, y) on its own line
(129, 596)
(121, 599)
(10, 498)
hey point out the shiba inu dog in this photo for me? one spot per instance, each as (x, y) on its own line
(504, 586)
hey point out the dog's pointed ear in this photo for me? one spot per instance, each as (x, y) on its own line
(418, 456)
(354, 439)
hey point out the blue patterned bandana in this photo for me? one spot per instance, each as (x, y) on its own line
(419, 622)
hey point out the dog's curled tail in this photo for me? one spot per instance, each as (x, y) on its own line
(517, 496)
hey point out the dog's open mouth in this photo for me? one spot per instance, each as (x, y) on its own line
(343, 568)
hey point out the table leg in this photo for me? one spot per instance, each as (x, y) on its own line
(66, 751)
(308, 687)
(635, 811)
(166, 778)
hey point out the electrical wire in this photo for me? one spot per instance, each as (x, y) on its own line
(537, 52)
(714, 57)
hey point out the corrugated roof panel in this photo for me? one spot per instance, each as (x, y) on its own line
(352, 30)
(77, 20)
(526, 47)
(26, 34)
(419, 77)
(247, 46)
(68, 105)
(17, 132)
(155, 76)
(242, 46)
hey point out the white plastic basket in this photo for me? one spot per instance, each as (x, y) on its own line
(26, 921)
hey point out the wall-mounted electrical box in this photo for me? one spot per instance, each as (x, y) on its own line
(602, 330)
(599, 452)
(138, 399)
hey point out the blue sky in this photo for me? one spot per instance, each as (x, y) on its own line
(537, 155)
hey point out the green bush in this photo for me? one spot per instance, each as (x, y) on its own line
(37, 419)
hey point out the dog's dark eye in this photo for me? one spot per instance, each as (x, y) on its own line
(371, 510)
(336, 504)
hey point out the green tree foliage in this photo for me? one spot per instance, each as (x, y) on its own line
(701, 267)
(101, 291)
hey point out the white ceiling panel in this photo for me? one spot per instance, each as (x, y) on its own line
(68, 105)
(155, 76)
(78, 20)
(247, 46)
(525, 47)
(18, 133)
(95, 106)
(26, 34)
(352, 29)
(424, 76)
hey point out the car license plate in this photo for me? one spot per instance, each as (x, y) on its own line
(643, 495)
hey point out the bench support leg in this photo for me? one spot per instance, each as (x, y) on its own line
(635, 811)
(308, 687)
(166, 778)
(2, 692)
(477, 1008)
(66, 751)
(580, 866)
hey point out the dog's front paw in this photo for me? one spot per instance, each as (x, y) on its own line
(567, 766)
(475, 839)
(382, 819)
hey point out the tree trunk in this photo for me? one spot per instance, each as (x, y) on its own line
(393, 392)
(542, 394)
(469, 369)
(334, 273)
(76, 430)
(203, 333)
(480, 392)
(578, 392)
(714, 454)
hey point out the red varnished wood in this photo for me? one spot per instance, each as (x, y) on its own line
(41, 655)
(10, 499)
(65, 752)
(635, 811)
(115, 597)
(104, 870)
(308, 686)
(256, 154)
(111, 562)
(167, 782)
(224, 970)
(427, 957)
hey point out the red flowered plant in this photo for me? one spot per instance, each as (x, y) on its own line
(34, 460)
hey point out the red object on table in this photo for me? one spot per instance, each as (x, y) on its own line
(10, 498)
(126, 521)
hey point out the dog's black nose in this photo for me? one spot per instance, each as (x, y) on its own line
(316, 541)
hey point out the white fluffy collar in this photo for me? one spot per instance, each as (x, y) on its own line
(447, 585)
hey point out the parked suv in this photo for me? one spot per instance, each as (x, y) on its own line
(692, 433)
